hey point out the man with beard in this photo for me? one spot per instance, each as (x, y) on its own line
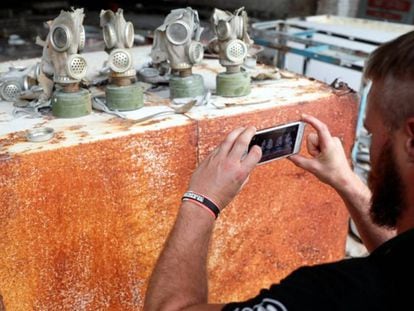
(384, 219)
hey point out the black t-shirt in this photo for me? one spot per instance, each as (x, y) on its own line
(381, 281)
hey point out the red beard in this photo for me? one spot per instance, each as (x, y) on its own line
(387, 189)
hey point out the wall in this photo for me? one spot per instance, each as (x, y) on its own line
(268, 9)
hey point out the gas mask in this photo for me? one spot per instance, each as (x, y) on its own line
(123, 93)
(232, 36)
(118, 35)
(65, 39)
(176, 41)
(13, 82)
(233, 42)
(60, 58)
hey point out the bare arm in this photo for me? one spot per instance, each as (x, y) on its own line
(179, 279)
(331, 166)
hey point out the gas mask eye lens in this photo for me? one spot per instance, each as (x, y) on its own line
(61, 38)
(196, 52)
(178, 33)
(223, 30)
(129, 35)
(82, 37)
(109, 36)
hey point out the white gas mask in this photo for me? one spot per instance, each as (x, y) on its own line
(65, 39)
(176, 41)
(118, 35)
(232, 36)
(13, 82)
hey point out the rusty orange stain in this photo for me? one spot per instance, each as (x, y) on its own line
(83, 134)
(12, 138)
(75, 127)
(57, 137)
(84, 229)
(121, 124)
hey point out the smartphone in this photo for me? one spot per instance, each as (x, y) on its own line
(279, 142)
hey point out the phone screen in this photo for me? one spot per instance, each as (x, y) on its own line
(276, 143)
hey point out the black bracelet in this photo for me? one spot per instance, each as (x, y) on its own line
(205, 202)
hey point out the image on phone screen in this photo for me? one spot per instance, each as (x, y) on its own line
(279, 142)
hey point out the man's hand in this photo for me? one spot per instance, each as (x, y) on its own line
(330, 165)
(328, 162)
(224, 172)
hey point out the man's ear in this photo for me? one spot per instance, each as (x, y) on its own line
(410, 140)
